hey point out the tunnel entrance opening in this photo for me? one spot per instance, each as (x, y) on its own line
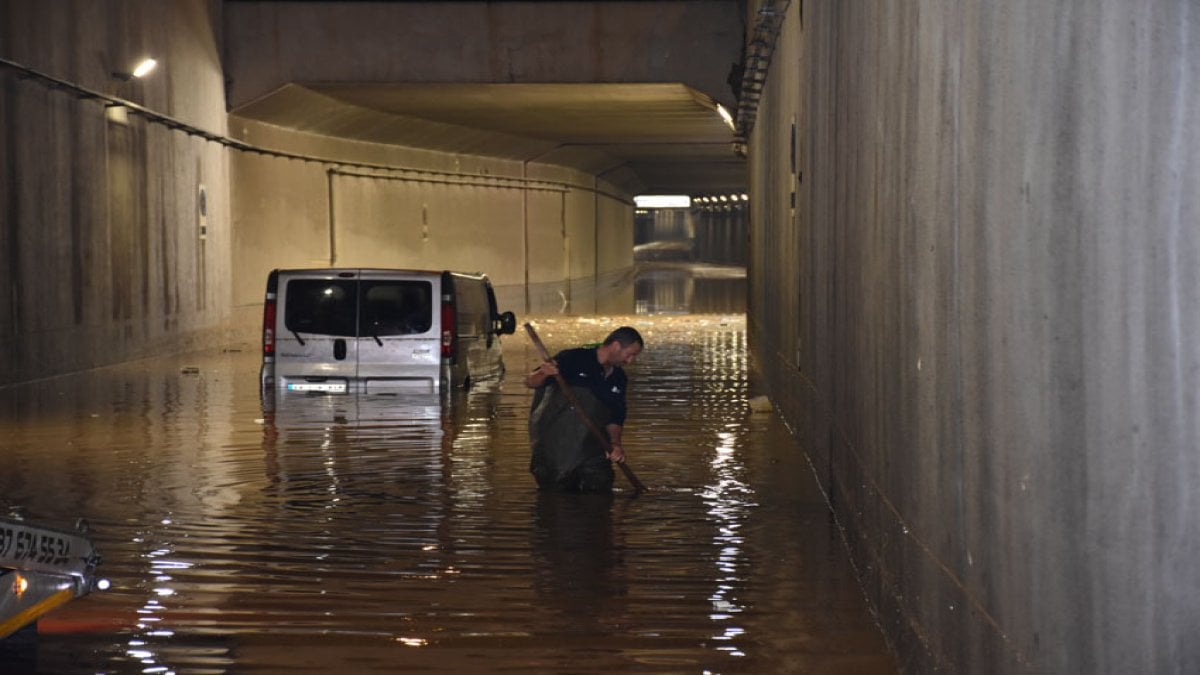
(690, 254)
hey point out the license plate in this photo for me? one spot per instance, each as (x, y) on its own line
(335, 387)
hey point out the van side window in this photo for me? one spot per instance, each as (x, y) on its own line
(320, 306)
(396, 308)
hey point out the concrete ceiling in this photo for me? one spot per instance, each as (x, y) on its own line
(652, 138)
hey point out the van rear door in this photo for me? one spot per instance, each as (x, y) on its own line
(316, 345)
(399, 343)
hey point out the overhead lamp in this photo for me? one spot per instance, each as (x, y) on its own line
(139, 71)
(662, 201)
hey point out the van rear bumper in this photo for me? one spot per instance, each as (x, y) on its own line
(342, 385)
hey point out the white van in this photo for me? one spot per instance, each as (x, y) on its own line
(339, 330)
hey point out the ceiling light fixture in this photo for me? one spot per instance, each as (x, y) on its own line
(662, 201)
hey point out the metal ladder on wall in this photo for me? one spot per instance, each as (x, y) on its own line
(756, 64)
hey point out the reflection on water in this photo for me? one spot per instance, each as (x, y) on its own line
(382, 533)
(689, 288)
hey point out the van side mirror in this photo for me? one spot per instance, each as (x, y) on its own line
(508, 323)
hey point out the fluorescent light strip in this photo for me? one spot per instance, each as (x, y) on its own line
(662, 201)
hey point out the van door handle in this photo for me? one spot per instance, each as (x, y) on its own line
(339, 349)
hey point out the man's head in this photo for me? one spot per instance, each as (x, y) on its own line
(621, 346)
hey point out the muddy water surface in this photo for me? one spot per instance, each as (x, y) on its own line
(403, 533)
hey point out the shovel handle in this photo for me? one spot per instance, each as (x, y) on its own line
(587, 421)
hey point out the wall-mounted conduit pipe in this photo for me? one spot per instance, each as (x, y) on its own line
(473, 180)
(332, 218)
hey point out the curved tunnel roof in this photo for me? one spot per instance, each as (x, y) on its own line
(667, 134)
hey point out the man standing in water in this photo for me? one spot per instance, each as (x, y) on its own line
(566, 457)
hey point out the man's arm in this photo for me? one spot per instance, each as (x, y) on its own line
(614, 439)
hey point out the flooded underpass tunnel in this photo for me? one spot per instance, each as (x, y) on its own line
(919, 282)
(404, 532)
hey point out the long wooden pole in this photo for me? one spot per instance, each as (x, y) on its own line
(587, 421)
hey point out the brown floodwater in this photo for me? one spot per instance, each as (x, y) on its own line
(403, 533)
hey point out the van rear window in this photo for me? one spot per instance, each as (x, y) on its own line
(396, 308)
(321, 306)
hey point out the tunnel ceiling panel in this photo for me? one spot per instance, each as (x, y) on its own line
(668, 134)
(306, 110)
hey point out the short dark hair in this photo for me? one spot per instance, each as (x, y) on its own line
(626, 335)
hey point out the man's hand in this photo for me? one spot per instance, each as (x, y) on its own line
(617, 454)
(539, 375)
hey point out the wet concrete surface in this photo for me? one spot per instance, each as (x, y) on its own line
(403, 533)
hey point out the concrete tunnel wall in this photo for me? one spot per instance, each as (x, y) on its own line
(105, 251)
(981, 318)
(476, 214)
(101, 255)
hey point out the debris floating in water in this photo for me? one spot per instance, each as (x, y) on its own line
(760, 404)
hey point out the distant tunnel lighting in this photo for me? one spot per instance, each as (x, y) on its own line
(143, 69)
(726, 116)
(662, 201)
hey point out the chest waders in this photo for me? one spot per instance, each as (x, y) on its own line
(567, 457)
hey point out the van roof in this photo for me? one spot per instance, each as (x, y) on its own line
(374, 270)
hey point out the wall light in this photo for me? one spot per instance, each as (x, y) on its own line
(662, 201)
(141, 70)
(726, 116)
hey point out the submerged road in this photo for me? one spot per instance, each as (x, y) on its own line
(382, 534)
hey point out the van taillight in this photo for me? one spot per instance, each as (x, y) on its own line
(269, 325)
(447, 330)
